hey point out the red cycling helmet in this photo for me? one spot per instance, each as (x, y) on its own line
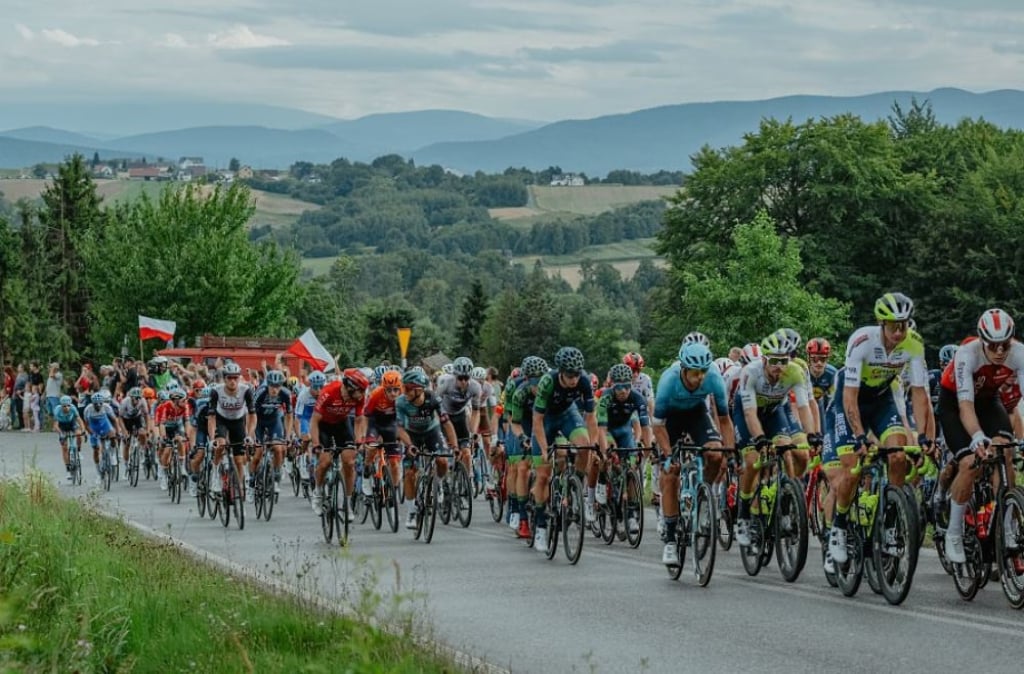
(819, 346)
(198, 384)
(634, 360)
(352, 378)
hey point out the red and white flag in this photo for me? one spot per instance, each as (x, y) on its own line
(150, 328)
(308, 348)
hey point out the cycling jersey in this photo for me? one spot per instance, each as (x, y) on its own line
(823, 387)
(673, 396)
(423, 418)
(99, 420)
(272, 406)
(129, 409)
(756, 392)
(66, 420)
(169, 413)
(934, 385)
(1010, 395)
(552, 398)
(228, 406)
(731, 377)
(304, 403)
(872, 370)
(332, 406)
(457, 400)
(642, 384)
(973, 376)
(614, 413)
(379, 408)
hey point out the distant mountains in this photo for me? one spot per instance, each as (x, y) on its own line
(274, 137)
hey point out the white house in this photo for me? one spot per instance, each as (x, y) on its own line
(568, 180)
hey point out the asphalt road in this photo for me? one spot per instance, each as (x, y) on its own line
(481, 591)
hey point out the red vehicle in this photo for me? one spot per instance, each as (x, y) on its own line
(248, 352)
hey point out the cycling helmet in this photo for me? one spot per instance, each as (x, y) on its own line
(148, 393)
(723, 364)
(569, 359)
(198, 384)
(317, 379)
(417, 368)
(232, 369)
(479, 373)
(621, 373)
(353, 378)
(793, 337)
(378, 372)
(818, 346)
(775, 344)
(414, 378)
(634, 361)
(66, 401)
(995, 325)
(293, 381)
(391, 379)
(893, 307)
(448, 368)
(204, 392)
(696, 338)
(532, 367)
(172, 385)
(176, 394)
(947, 353)
(462, 366)
(275, 378)
(135, 392)
(751, 352)
(162, 395)
(695, 356)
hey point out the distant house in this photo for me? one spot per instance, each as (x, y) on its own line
(245, 173)
(186, 162)
(568, 180)
(149, 173)
(103, 171)
(435, 362)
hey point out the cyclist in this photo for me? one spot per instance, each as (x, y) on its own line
(974, 419)
(68, 420)
(946, 354)
(170, 421)
(101, 422)
(823, 375)
(200, 409)
(619, 410)
(380, 420)
(133, 418)
(231, 419)
(305, 401)
(421, 417)
(330, 422)
(462, 398)
(555, 410)
(875, 357)
(273, 404)
(643, 385)
(760, 418)
(485, 425)
(522, 391)
(680, 411)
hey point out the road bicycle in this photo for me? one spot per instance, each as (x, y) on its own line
(382, 498)
(620, 512)
(565, 506)
(428, 484)
(134, 460)
(207, 502)
(497, 488)
(728, 501)
(336, 512)
(108, 462)
(264, 497)
(74, 456)
(232, 497)
(456, 500)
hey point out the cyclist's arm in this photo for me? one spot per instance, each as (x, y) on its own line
(449, 432)
(728, 432)
(362, 425)
(314, 429)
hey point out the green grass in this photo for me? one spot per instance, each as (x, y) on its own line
(83, 593)
(593, 199)
(609, 252)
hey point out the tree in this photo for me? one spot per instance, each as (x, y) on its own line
(521, 323)
(187, 257)
(39, 171)
(234, 165)
(756, 291)
(471, 320)
(95, 160)
(381, 320)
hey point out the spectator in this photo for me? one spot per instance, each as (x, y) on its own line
(131, 374)
(18, 401)
(5, 409)
(8, 394)
(32, 404)
(54, 389)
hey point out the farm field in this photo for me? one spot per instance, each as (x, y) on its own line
(624, 256)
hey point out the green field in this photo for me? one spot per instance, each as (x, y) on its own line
(623, 255)
(593, 199)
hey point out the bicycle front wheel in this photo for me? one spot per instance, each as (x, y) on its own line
(894, 545)
(633, 509)
(850, 572)
(574, 525)
(390, 501)
(343, 510)
(462, 496)
(790, 529)
(133, 465)
(1011, 560)
(704, 535)
(430, 503)
(237, 500)
(269, 495)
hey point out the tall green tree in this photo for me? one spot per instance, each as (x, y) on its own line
(381, 319)
(186, 257)
(471, 320)
(522, 322)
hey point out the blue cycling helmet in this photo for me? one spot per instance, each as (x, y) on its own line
(204, 392)
(66, 401)
(947, 353)
(416, 379)
(317, 379)
(378, 372)
(696, 356)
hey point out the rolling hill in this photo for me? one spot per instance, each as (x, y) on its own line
(665, 137)
(18, 153)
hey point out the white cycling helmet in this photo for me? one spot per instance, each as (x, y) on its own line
(995, 325)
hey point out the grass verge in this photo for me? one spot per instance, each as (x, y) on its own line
(84, 593)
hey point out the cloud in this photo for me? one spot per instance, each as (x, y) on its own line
(66, 39)
(617, 52)
(1008, 47)
(24, 31)
(173, 41)
(241, 37)
(355, 58)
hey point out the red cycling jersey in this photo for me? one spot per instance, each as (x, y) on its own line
(989, 378)
(378, 405)
(168, 413)
(332, 407)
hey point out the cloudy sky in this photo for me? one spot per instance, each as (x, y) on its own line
(531, 59)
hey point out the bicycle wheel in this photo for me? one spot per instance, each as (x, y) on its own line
(179, 480)
(225, 498)
(829, 576)
(421, 505)
(327, 511)
(105, 468)
(201, 493)
(819, 493)
(443, 496)
(725, 532)
(269, 495)
(430, 516)
(133, 464)
(212, 500)
(462, 496)
(967, 576)
(495, 500)
(1011, 560)
(850, 573)
(293, 475)
(682, 542)
(343, 512)
(573, 520)
(752, 555)
(633, 508)
(894, 545)
(704, 535)
(390, 501)
(790, 529)
(237, 500)
(910, 493)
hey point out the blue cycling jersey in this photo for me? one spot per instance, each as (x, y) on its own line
(68, 416)
(673, 396)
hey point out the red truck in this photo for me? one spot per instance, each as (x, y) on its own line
(248, 352)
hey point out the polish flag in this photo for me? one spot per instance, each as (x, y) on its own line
(308, 348)
(150, 328)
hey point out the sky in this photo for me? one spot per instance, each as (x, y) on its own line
(527, 59)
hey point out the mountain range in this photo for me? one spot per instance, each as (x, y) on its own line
(274, 137)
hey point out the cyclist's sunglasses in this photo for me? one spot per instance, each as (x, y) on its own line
(623, 387)
(999, 347)
(818, 359)
(777, 360)
(462, 377)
